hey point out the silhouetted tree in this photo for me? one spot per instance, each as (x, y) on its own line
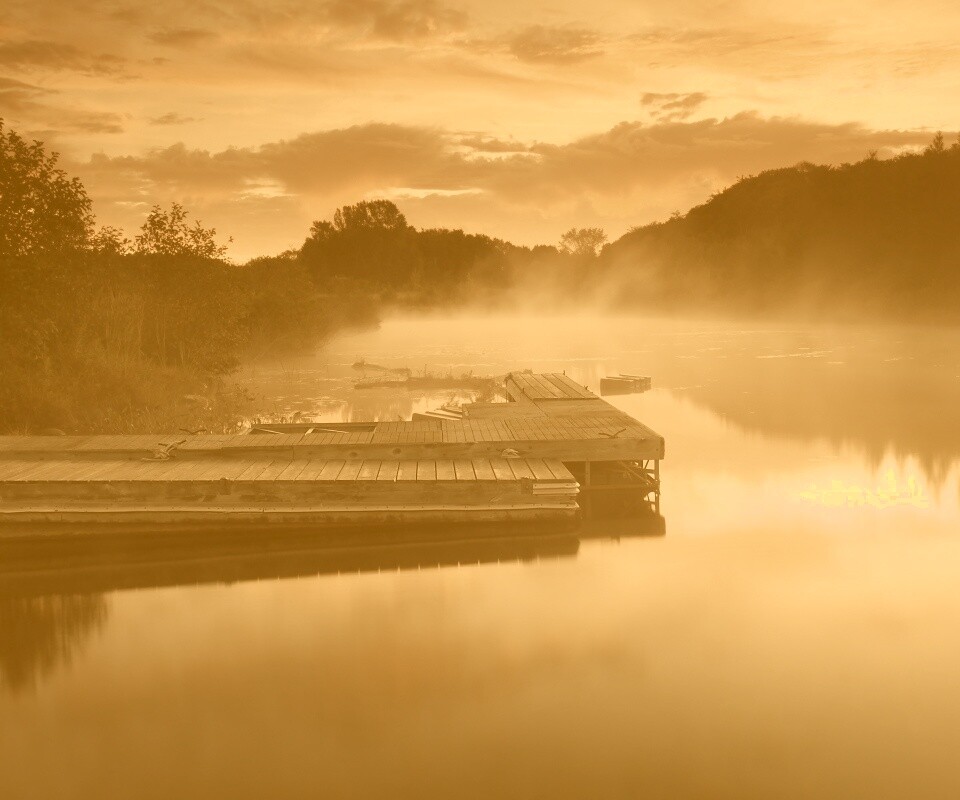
(41, 209)
(110, 241)
(370, 214)
(168, 233)
(369, 243)
(937, 145)
(582, 242)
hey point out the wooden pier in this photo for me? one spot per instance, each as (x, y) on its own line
(539, 457)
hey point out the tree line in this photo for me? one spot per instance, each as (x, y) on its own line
(102, 332)
(873, 240)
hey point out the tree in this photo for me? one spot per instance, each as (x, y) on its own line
(583, 242)
(369, 242)
(168, 233)
(110, 241)
(937, 145)
(379, 214)
(42, 210)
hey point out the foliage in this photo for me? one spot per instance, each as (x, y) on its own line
(167, 233)
(370, 215)
(582, 242)
(42, 210)
(877, 239)
(370, 247)
(101, 334)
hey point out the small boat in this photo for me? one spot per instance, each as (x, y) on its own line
(624, 384)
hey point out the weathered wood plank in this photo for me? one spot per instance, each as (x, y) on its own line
(560, 472)
(464, 469)
(521, 468)
(388, 470)
(369, 470)
(292, 472)
(311, 472)
(501, 469)
(254, 470)
(574, 389)
(350, 471)
(331, 470)
(445, 470)
(540, 470)
(483, 470)
(407, 471)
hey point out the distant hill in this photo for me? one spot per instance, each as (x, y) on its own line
(879, 238)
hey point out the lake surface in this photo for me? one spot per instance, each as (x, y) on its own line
(794, 634)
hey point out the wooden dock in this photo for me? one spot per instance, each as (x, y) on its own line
(537, 457)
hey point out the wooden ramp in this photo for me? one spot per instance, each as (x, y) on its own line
(520, 460)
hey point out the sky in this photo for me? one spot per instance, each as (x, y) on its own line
(511, 118)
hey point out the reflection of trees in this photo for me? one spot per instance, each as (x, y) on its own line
(880, 390)
(39, 634)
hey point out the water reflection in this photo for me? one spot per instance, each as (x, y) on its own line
(39, 634)
(53, 591)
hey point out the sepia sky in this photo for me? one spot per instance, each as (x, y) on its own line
(518, 119)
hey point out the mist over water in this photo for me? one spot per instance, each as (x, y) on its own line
(792, 635)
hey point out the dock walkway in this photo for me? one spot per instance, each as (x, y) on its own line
(520, 460)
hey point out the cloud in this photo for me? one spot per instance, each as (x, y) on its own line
(171, 118)
(636, 155)
(630, 157)
(396, 20)
(672, 106)
(19, 97)
(182, 37)
(24, 102)
(38, 54)
(479, 143)
(553, 45)
(775, 50)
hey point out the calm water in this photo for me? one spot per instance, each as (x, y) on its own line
(796, 632)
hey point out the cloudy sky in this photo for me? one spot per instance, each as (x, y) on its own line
(518, 119)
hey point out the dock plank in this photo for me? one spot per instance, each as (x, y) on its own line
(541, 471)
(464, 469)
(350, 471)
(292, 472)
(426, 470)
(521, 469)
(253, 470)
(483, 470)
(560, 472)
(312, 470)
(369, 470)
(446, 470)
(388, 470)
(407, 471)
(331, 470)
(276, 468)
(501, 469)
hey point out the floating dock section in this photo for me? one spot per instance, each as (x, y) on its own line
(624, 384)
(538, 457)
